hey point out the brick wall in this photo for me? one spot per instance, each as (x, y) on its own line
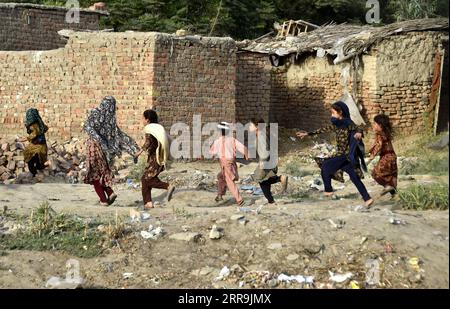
(253, 87)
(65, 84)
(142, 70)
(194, 77)
(394, 78)
(404, 78)
(34, 27)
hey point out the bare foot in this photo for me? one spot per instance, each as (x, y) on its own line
(104, 204)
(149, 205)
(369, 203)
(328, 194)
(218, 198)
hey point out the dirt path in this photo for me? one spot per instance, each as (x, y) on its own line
(295, 238)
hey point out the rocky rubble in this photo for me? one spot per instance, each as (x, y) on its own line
(67, 162)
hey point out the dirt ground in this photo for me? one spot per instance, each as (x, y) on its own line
(295, 237)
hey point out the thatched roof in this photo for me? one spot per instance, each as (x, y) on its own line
(344, 40)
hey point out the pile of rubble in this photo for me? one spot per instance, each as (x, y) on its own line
(67, 163)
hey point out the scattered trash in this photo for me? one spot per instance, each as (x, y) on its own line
(215, 233)
(338, 224)
(241, 284)
(145, 216)
(127, 275)
(225, 272)
(152, 233)
(292, 138)
(354, 285)
(363, 240)
(414, 263)
(243, 221)
(339, 278)
(131, 183)
(299, 278)
(317, 184)
(395, 221)
(252, 190)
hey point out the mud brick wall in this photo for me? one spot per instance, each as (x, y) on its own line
(65, 84)
(34, 27)
(194, 77)
(253, 87)
(405, 68)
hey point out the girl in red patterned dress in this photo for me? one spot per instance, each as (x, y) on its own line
(385, 172)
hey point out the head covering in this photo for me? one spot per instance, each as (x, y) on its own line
(101, 125)
(346, 120)
(32, 116)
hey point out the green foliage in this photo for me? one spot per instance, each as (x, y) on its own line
(424, 197)
(247, 19)
(293, 168)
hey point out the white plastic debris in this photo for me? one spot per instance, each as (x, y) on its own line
(145, 216)
(299, 278)
(127, 275)
(339, 278)
(292, 138)
(59, 283)
(395, 221)
(317, 184)
(152, 233)
(225, 272)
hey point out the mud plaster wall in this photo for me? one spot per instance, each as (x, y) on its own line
(24, 28)
(405, 66)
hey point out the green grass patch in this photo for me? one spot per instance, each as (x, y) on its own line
(46, 230)
(426, 165)
(424, 197)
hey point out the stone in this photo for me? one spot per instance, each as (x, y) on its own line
(3, 170)
(11, 165)
(275, 246)
(58, 283)
(237, 217)
(292, 257)
(215, 233)
(187, 236)
(5, 176)
(267, 231)
(5, 147)
(221, 221)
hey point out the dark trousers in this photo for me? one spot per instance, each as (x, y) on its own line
(265, 187)
(35, 164)
(103, 192)
(332, 165)
(149, 184)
